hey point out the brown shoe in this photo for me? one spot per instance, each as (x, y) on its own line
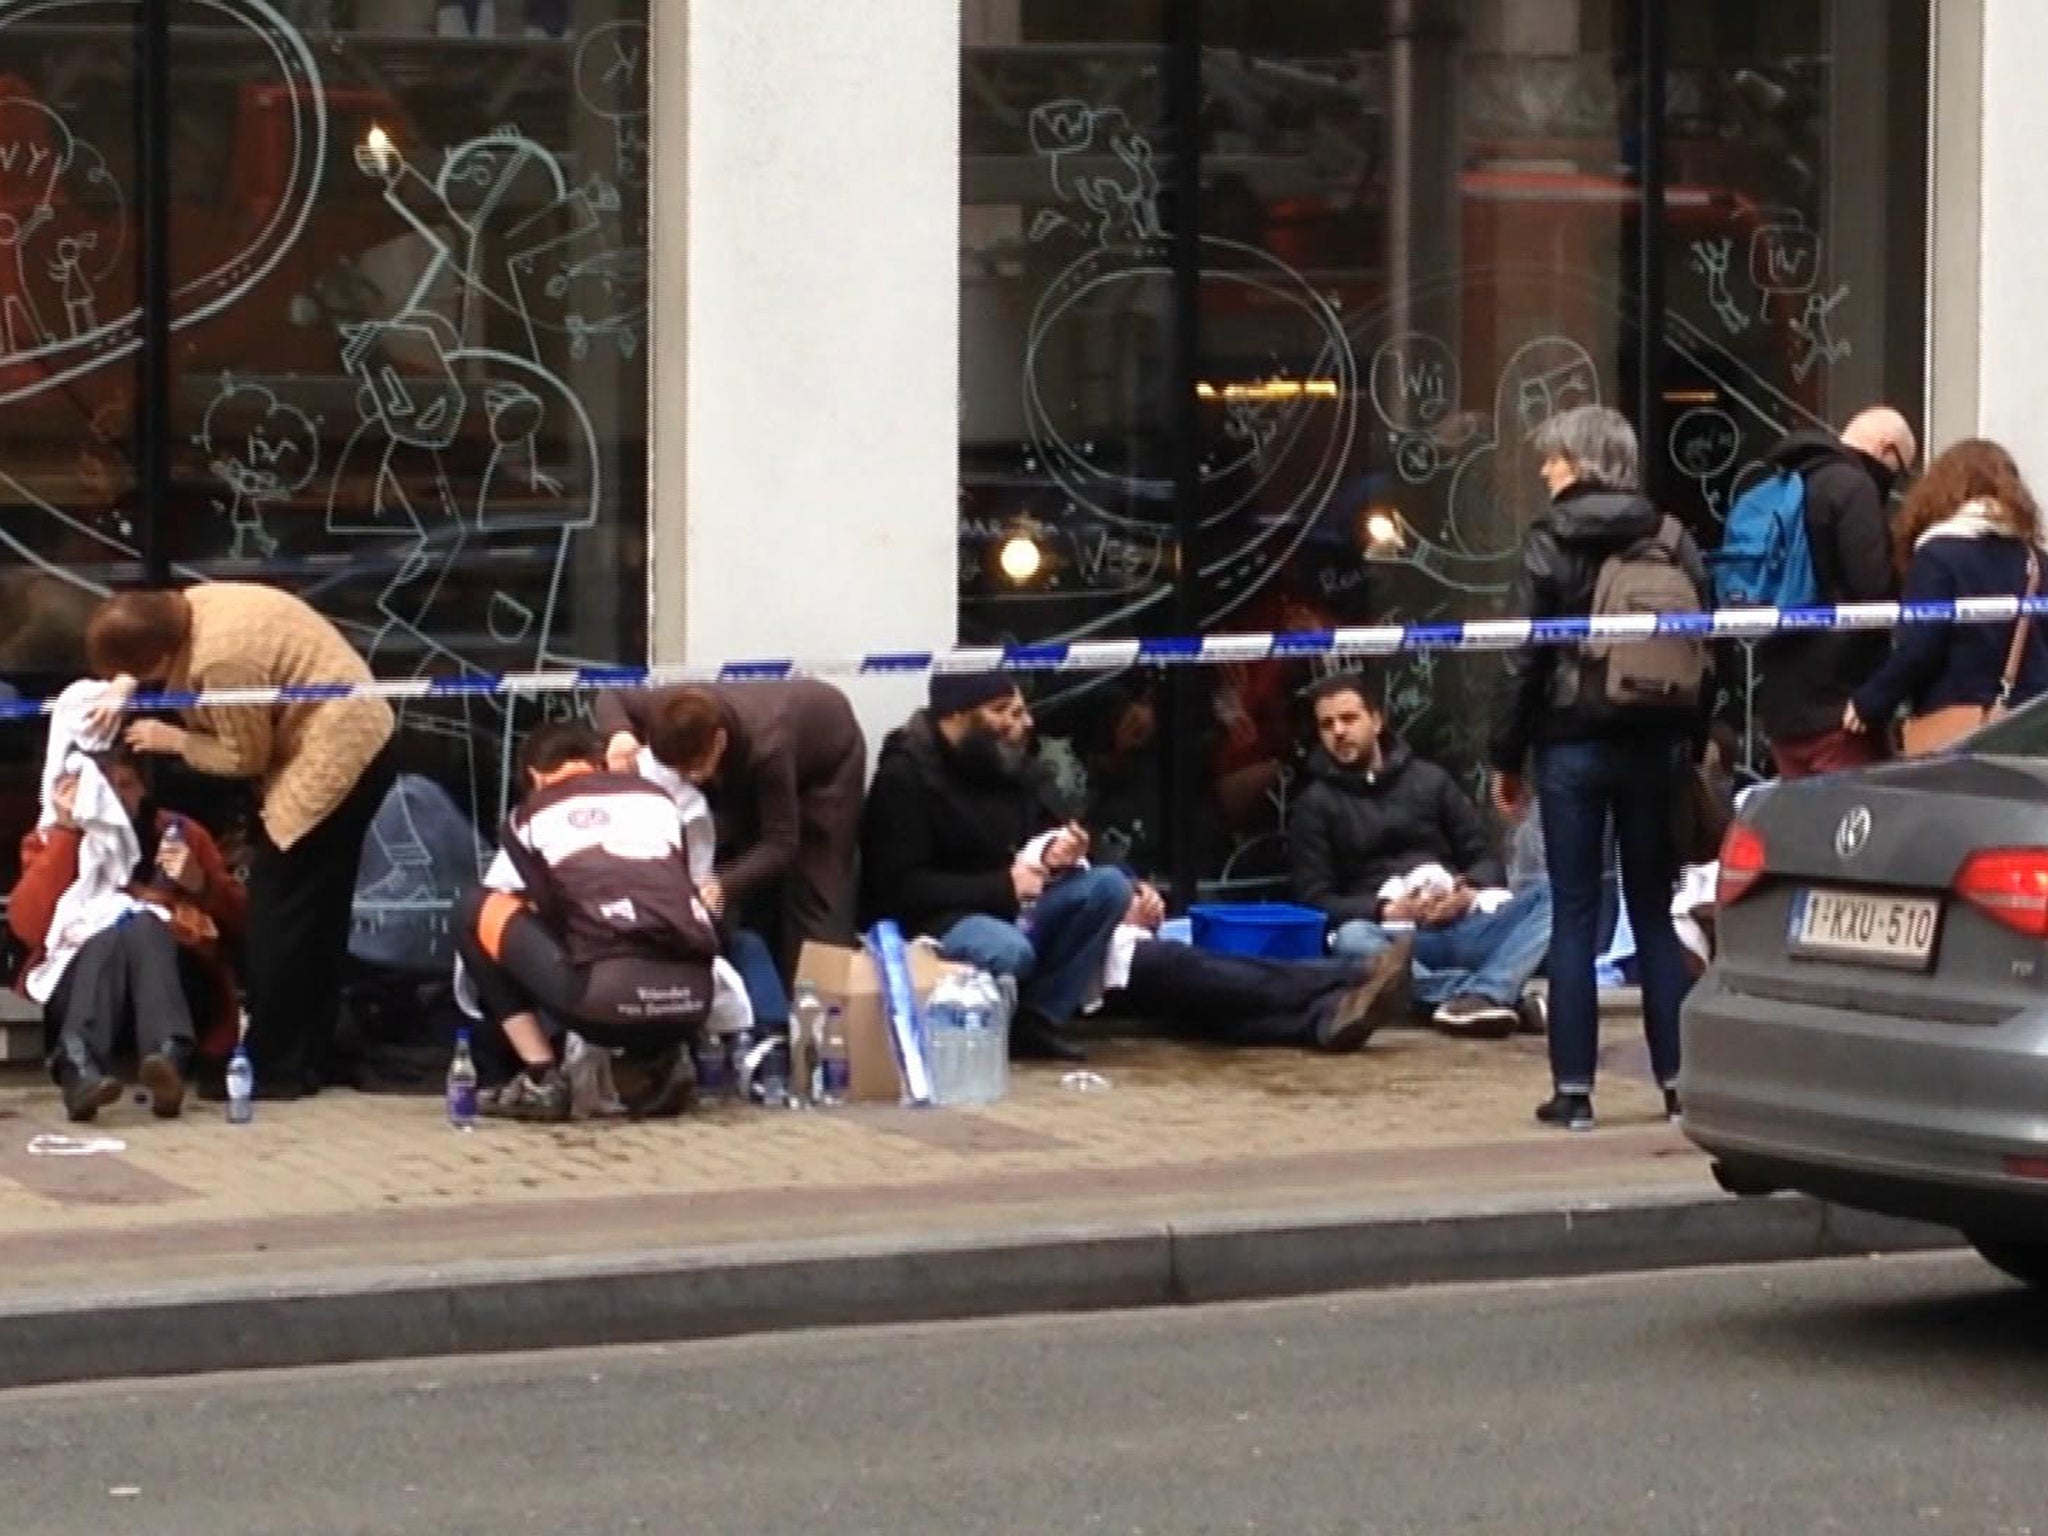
(1381, 998)
(166, 1085)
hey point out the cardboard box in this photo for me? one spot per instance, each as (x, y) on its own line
(849, 980)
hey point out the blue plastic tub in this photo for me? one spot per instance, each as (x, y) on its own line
(1272, 929)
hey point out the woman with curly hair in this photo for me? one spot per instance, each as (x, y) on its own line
(1970, 528)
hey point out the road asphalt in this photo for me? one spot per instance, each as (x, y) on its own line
(1858, 1396)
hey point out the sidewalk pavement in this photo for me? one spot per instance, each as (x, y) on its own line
(349, 1227)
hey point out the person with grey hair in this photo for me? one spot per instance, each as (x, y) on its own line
(1604, 748)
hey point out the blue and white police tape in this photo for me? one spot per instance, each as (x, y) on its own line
(1356, 644)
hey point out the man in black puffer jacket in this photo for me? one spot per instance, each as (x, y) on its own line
(1388, 845)
(960, 842)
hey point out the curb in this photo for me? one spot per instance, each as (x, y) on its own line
(489, 1308)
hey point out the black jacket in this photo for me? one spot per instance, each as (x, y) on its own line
(1352, 831)
(941, 831)
(1804, 679)
(1540, 697)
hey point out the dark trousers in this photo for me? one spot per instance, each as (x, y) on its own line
(817, 893)
(123, 986)
(300, 902)
(520, 966)
(1234, 999)
(1578, 786)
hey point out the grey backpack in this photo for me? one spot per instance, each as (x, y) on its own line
(1664, 673)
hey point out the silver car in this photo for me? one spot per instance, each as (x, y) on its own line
(1874, 1028)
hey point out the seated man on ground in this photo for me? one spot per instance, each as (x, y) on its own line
(604, 933)
(961, 842)
(1398, 856)
(1333, 1005)
(128, 911)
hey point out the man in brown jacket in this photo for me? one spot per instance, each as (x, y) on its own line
(782, 765)
(320, 766)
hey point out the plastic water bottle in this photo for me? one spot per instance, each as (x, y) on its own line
(806, 1036)
(714, 1072)
(173, 838)
(835, 1061)
(738, 1047)
(462, 1085)
(241, 1088)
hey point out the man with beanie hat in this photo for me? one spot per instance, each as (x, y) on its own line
(961, 842)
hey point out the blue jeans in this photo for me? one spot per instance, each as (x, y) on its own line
(1578, 786)
(1490, 955)
(751, 957)
(1058, 963)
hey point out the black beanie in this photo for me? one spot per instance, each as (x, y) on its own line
(955, 693)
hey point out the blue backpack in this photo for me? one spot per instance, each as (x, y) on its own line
(1765, 560)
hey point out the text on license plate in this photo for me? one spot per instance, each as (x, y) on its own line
(1882, 930)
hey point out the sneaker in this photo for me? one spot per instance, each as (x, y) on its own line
(524, 1098)
(1476, 1018)
(1672, 1110)
(1567, 1111)
(1380, 998)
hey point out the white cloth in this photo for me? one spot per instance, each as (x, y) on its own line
(107, 846)
(1979, 518)
(1435, 880)
(731, 1009)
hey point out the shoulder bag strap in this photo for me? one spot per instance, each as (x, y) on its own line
(2016, 653)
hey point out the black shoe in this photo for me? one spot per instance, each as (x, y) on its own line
(86, 1088)
(1567, 1111)
(1475, 1018)
(1672, 1110)
(672, 1090)
(1033, 1038)
(1380, 999)
(163, 1075)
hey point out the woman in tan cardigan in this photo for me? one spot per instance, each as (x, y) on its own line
(321, 770)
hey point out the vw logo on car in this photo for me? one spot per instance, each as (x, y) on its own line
(1852, 832)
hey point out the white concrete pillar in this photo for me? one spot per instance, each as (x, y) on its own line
(2012, 212)
(806, 331)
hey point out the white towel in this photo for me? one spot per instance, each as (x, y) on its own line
(107, 846)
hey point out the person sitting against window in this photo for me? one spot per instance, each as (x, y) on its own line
(1394, 852)
(127, 911)
(588, 921)
(962, 842)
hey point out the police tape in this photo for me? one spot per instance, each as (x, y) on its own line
(1353, 644)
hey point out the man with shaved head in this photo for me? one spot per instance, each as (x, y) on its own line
(1806, 677)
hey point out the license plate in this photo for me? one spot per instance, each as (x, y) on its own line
(1874, 930)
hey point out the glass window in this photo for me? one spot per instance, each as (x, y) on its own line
(1066, 482)
(1795, 243)
(411, 252)
(1420, 235)
(67, 328)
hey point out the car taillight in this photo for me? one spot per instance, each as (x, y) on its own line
(1742, 863)
(2009, 886)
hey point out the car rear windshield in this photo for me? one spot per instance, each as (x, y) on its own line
(2023, 733)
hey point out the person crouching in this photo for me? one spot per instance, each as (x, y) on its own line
(589, 921)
